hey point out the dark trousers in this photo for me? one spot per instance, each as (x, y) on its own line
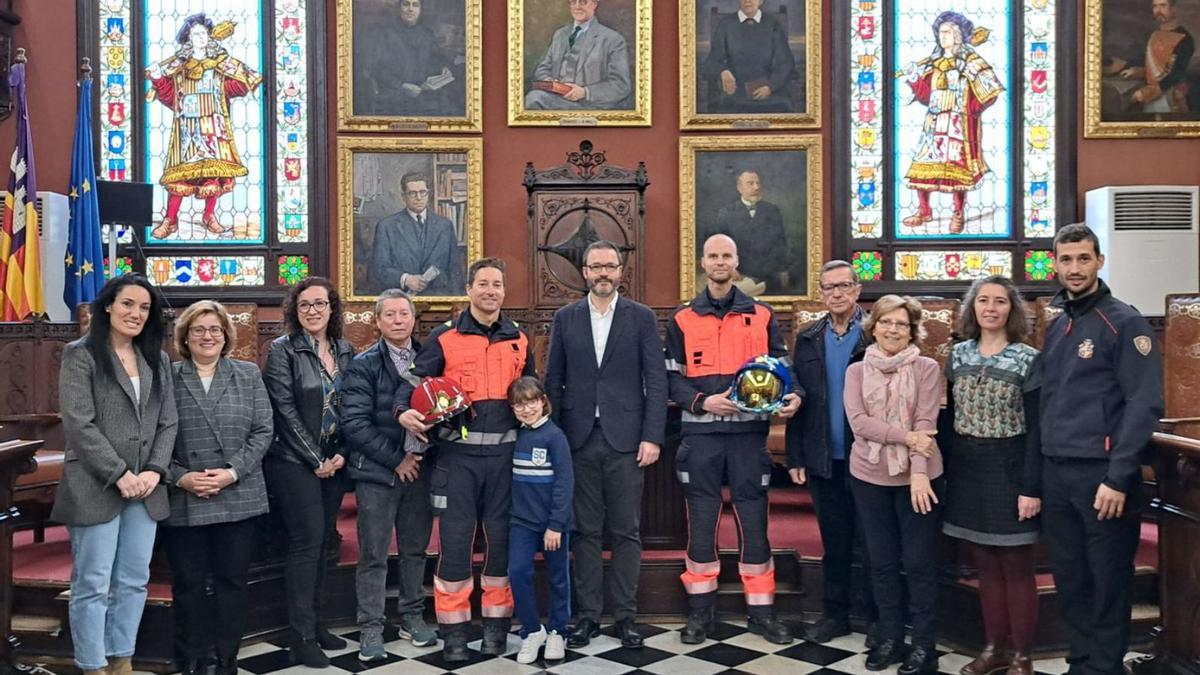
(308, 507)
(608, 499)
(1092, 562)
(897, 536)
(210, 556)
(523, 544)
(403, 508)
(705, 462)
(841, 535)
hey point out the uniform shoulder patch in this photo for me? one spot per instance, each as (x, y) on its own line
(1143, 344)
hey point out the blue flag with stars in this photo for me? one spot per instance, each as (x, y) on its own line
(85, 252)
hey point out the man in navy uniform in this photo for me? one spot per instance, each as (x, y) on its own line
(1100, 402)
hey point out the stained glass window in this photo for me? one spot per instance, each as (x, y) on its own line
(224, 137)
(952, 139)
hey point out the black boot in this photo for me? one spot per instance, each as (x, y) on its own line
(454, 642)
(699, 625)
(308, 653)
(194, 667)
(920, 661)
(772, 630)
(495, 636)
(328, 640)
(226, 666)
(888, 652)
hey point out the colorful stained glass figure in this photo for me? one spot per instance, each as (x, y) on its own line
(205, 119)
(868, 265)
(951, 265)
(206, 270)
(951, 128)
(1039, 265)
(291, 133)
(292, 269)
(116, 96)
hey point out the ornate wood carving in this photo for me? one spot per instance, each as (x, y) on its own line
(573, 205)
(1181, 356)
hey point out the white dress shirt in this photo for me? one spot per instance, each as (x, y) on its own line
(601, 326)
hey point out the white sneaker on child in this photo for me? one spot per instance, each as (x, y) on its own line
(532, 643)
(556, 650)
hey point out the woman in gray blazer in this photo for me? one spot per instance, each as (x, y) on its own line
(119, 419)
(217, 487)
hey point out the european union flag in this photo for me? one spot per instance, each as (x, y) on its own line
(85, 253)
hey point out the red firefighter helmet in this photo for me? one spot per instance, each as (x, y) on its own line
(439, 399)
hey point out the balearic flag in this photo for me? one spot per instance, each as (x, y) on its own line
(20, 264)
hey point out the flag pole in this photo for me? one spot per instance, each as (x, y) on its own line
(85, 74)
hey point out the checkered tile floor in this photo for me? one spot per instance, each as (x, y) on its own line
(731, 649)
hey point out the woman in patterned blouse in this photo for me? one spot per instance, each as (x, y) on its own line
(994, 467)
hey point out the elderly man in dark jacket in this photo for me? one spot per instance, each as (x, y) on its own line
(819, 437)
(392, 489)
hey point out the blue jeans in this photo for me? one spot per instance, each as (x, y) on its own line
(110, 565)
(523, 544)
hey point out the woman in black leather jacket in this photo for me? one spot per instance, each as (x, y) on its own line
(303, 466)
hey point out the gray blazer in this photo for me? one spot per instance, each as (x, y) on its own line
(599, 61)
(228, 427)
(108, 432)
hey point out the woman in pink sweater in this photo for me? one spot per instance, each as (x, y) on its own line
(892, 400)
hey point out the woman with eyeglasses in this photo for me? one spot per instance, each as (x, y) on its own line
(303, 466)
(995, 468)
(118, 413)
(217, 487)
(892, 400)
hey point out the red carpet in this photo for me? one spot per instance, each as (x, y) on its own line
(792, 525)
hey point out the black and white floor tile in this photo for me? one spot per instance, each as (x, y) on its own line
(730, 650)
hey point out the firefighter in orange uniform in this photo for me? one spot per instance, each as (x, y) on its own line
(484, 351)
(708, 340)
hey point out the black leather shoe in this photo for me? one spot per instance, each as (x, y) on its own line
(872, 640)
(628, 633)
(495, 637)
(328, 640)
(454, 648)
(195, 667)
(226, 666)
(699, 624)
(887, 653)
(583, 632)
(920, 661)
(771, 629)
(308, 653)
(826, 629)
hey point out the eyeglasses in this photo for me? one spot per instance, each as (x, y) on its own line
(597, 268)
(417, 193)
(318, 306)
(891, 323)
(201, 331)
(843, 287)
(527, 405)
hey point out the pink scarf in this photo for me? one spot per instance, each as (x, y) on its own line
(890, 394)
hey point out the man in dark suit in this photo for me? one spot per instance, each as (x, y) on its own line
(416, 250)
(756, 226)
(752, 62)
(607, 383)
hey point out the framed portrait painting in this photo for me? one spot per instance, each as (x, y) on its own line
(749, 64)
(410, 216)
(579, 62)
(763, 191)
(409, 65)
(1142, 77)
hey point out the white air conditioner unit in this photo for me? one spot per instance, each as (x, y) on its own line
(1149, 238)
(54, 213)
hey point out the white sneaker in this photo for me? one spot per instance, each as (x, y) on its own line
(556, 649)
(532, 643)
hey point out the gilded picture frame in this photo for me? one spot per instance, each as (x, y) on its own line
(717, 178)
(707, 32)
(379, 189)
(1120, 99)
(446, 91)
(613, 68)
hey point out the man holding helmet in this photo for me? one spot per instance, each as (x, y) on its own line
(709, 344)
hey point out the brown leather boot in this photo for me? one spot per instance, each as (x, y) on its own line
(120, 665)
(1021, 665)
(992, 659)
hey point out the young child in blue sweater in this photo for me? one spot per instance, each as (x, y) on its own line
(542, 508)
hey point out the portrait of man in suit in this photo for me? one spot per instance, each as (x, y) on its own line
(416, 249)
(408, 58)
(749, 64)
(585, 67)
(607, 383)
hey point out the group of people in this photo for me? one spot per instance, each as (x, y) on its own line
(553, 466)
